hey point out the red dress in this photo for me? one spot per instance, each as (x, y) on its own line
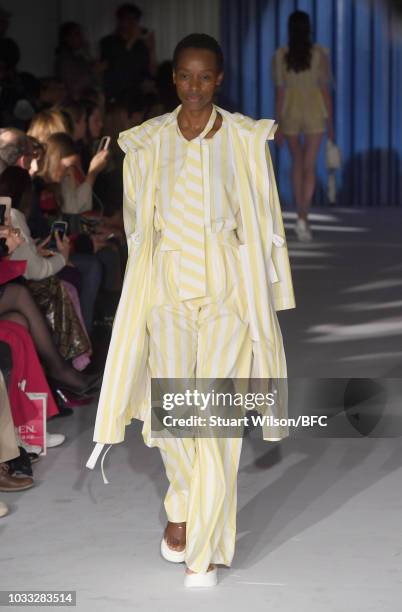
(26, 366)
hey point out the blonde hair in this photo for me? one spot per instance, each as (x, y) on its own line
(48, 122)
(59, 146)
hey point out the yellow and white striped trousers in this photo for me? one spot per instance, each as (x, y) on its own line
(205, 337)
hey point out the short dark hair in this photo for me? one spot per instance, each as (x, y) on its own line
(12, 150)
(199, 41)
(128, 10)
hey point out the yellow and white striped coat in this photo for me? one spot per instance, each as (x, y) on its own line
(125, 392)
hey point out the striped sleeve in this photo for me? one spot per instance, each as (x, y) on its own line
(282, 290)
(129, 192)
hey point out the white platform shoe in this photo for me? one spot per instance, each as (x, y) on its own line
(202, 579)
(174, 556)
(303, 231)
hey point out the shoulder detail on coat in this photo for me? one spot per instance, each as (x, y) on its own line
(249, 126)
(142, 135)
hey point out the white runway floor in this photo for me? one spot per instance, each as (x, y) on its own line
(319, 520)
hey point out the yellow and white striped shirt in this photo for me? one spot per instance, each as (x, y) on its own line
(224, 202)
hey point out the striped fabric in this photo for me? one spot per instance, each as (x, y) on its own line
(224, 205)
(185, 229)
(125, 393)
(208, 341)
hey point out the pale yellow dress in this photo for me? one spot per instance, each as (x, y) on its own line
(303, 109)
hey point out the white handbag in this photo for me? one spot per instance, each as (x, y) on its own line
(333, 156)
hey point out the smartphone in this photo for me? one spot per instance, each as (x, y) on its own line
(3, 210)
(103, 144)
(5, 207)
(57, 226)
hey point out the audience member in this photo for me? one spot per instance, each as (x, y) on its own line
(48, 166)
(15, 149)
(129, 53)
(15, 297)
(48, 122)
(8, 450)
(62, 167)
(73, 64)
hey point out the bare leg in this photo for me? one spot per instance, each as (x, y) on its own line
(311, 148)
(175, 535)
(17, 317)
(296, 153)
(18, 303)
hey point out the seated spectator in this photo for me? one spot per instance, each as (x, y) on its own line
(43, 265)
(48, 122)
(62, 167)
(41, 262)
(8, 450)
(15, 149)
(72, 192)
(57, 302)
(25, 367)
(16, 298)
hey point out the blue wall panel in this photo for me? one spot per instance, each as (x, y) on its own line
(367, 88)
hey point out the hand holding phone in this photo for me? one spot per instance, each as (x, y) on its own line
(42, 248)
(98, 162)
(61, 228)
(103, 144)
(63, 246)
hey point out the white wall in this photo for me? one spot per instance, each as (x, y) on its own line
(34, 24)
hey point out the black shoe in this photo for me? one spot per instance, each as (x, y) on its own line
(21, 464)
(34, 457)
